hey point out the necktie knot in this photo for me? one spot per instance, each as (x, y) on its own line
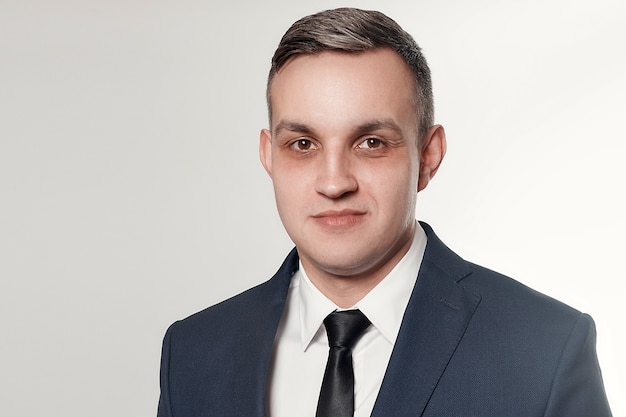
(345, 327)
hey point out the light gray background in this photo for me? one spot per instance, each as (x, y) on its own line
(131, 193)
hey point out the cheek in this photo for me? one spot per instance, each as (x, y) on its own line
(395, 179)
(397, 191)
(289, 192)
(292, 178)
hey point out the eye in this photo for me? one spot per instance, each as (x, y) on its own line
(371, 143)
(303, 145)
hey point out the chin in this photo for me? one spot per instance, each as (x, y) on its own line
(342, 263)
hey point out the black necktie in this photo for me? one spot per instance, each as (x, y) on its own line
(337, 394)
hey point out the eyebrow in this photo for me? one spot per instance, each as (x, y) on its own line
(369, 126)
(289, 126)
(374, 125)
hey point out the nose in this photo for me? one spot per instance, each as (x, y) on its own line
(334, 176)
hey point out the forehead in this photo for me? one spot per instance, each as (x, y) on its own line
(373, 84)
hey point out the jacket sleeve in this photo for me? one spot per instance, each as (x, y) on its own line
(577, 388)
(164, 408)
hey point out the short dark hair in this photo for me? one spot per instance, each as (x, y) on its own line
(353, 30)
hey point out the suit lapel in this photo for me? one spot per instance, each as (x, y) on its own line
(434, 322)
(254, 345)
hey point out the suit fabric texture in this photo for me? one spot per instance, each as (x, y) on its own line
(473, 343)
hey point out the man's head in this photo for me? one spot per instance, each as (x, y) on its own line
(342, 149)
(351, 31)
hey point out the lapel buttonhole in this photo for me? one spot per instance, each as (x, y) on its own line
(449, 304)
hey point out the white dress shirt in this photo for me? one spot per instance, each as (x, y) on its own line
(301, 346)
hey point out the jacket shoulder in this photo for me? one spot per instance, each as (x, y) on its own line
(241, 310)
(507, 296)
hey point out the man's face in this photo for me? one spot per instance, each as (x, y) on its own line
(344, 160)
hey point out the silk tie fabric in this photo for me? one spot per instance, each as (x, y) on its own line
(344, 328)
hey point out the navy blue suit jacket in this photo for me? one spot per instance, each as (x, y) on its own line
(472, 343)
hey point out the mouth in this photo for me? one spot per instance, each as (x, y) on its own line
(339, 218)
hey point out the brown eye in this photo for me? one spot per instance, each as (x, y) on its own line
(371, 143)
(303, 145)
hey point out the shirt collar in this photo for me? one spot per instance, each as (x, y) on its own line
(384, 305)
(314, 307)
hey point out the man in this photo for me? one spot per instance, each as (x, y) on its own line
(351, 143)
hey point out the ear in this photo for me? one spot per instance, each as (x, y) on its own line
(432, 152)
(265, 150)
